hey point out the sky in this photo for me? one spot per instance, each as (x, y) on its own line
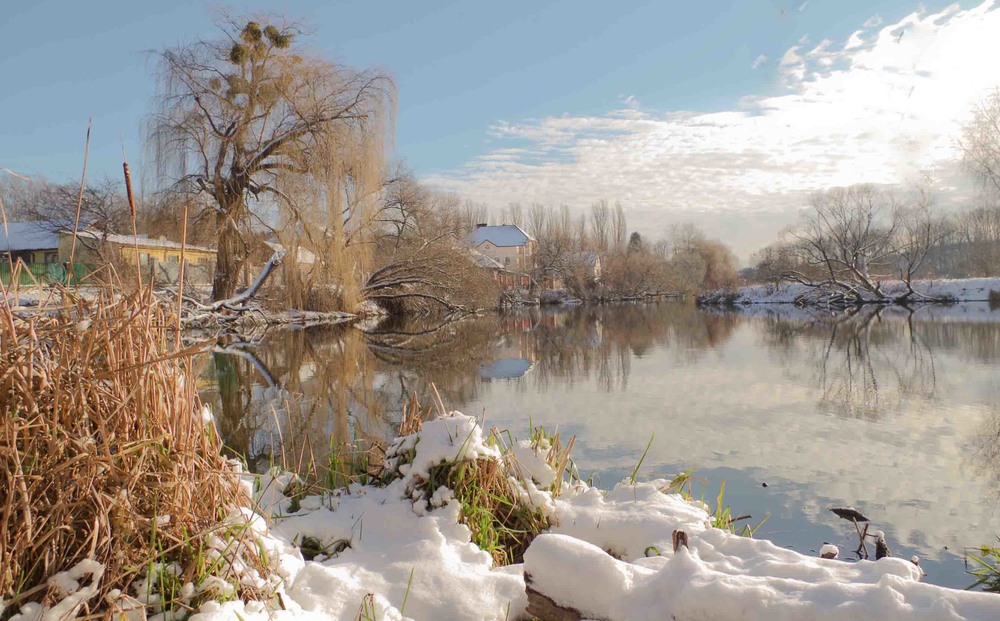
(724, 114)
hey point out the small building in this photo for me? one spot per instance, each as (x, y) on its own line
(160, 256)
(506, 244)
(588, 264)
(30, 242)
(503, 277)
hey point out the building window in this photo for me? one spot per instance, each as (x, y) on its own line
(51, 257)
(173, 258)
(506, 260)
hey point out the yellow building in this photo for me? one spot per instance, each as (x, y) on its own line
(160, 257)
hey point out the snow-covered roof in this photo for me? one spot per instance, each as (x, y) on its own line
(500, 235)
(29, 236)
(484, 261)
(140, 240)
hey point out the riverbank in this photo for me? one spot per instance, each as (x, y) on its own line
(942, 291)
(454, 522)
(404, 548)
(25, 301)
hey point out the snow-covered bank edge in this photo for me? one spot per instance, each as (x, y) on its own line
(401, 551)
(943, 291)
(33, 300)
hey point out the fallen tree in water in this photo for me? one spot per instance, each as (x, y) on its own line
(241, 311)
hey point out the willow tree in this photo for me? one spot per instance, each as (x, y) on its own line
(272, 136)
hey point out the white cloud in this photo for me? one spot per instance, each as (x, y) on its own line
(854, 40)
(878, 109)
(759, 61)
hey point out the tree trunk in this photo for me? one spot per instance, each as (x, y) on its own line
(227, 257)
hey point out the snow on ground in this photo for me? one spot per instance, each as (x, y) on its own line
(409, 557)
(959, 290)
(723, 577)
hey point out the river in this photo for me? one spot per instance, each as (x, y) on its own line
(896, 413)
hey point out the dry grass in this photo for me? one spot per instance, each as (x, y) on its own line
(103, 451)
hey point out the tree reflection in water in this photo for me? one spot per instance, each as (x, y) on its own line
(868, 363)
(290, 397)
(304, 391)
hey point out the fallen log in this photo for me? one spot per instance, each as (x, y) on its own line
(235, 303)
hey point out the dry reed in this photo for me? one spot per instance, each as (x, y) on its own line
(104, 453)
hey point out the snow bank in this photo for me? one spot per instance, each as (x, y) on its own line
(403, 555)
(724, 577)
(389, 543)
(959, 290)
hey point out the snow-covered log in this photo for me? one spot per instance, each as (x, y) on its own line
(726, 577)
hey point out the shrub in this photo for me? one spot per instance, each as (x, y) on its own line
(105, 456)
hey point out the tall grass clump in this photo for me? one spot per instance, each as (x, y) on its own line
(493, 493)
(106, 463)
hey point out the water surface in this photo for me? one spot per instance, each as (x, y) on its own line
(896, 413)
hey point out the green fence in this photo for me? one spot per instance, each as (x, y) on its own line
(44, 273)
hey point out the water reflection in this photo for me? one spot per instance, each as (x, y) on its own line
(895, 412)
(864, 364)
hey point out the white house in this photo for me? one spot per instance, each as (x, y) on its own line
(506, 244)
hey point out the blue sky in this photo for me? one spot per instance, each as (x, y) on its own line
(464, 72)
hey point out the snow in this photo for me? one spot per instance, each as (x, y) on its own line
(141, 241)
(831, 551)
(724, 577)
(529, 458)
(959, 290)
(17, 236)
(67, 587)
(455, 437)
(383, 546)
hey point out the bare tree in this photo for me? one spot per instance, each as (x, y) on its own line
(980, 143)
(619, 228)
(103, 208)
(514, 214)
(599, 214)
(537, 218)
(553, 249)
(580, 233)
(17, 194)
(977, 240)
(475, 214)
(851, 234)
(420, 262)
(240, 117)
(920, 231)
